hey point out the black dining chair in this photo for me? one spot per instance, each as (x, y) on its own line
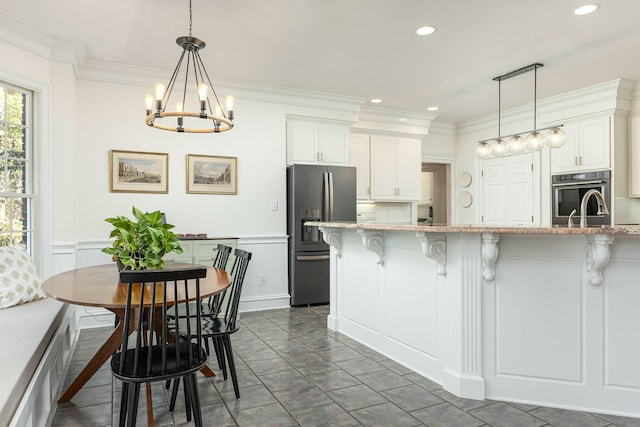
(219, 261)
(152, 354)
(220, 322)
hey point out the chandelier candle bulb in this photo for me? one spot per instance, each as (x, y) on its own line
(148, 100)
(160, 91)
(203, 91)
(229, 102)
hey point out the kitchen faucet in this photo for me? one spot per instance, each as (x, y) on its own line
(602, 206)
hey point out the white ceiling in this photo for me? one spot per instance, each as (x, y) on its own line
(366, 48)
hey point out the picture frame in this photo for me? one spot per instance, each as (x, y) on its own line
(138, 172)
(212, 174)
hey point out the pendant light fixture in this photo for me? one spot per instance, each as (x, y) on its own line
(516, 144)
(211, 116)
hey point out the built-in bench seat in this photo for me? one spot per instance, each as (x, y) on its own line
(36, 344)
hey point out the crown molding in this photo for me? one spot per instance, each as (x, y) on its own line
(110, 72)
(25, 36)
(394, 121)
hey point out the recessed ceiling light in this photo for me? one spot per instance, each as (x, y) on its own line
(402, 119)
(375, 101)
(586, 9)
(433, 108)
(425, 31)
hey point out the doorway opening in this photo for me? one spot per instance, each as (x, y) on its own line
(435, 197)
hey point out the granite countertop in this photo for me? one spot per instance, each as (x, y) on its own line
(468, 228)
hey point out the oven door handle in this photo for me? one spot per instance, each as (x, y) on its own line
(574, 184)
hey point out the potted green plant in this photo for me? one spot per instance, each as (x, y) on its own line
(140, 244)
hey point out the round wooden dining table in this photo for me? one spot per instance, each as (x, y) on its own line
(98, 286)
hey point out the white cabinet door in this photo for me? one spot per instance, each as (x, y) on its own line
(302, 142)
(333, 144)
(508, 191)
(359, 158)
(595, 143)
(383, 168)
(395, 168)
(408, 168)
(634, 153)
(310, 142)
(588, 146)
(565, 158)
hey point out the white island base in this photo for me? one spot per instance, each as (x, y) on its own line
(539, 316)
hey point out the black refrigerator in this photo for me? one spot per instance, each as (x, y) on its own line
(315, 193)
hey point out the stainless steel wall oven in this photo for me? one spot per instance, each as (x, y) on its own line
(567, 191)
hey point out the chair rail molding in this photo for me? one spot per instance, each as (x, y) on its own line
(434, 246)
(333, 238)
(489, 255)
(373, 241)
(597, 256)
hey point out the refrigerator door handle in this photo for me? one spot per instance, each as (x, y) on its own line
(326, 197)
(311, 257)
(330, 196)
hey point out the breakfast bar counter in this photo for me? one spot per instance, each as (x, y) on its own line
(539, 315)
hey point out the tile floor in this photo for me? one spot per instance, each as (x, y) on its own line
(295, 372)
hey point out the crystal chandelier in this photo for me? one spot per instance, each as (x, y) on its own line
(211, 114)
(516, 144)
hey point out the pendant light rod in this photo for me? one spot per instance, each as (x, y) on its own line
(499, 105)
(535, 96)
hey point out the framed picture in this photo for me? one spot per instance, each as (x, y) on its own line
(212, 174)
(138, 172)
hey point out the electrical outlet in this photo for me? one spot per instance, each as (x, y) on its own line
(263, 280)
(274, 205)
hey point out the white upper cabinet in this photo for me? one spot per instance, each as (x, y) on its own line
(359, 158)
(313, 142)
(395, 168)
(588, 146)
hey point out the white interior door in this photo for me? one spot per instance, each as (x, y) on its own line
(508, 191)
(520, 189)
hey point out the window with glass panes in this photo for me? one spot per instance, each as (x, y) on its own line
(16, 166)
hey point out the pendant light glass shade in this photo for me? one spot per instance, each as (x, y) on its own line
(556, 138)
(535, 141)
(516, 144)
(499, 148)
(483, 151)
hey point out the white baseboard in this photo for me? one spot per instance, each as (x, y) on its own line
(465, 386)
(264, 303)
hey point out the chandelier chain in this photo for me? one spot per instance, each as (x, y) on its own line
(190, 18)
